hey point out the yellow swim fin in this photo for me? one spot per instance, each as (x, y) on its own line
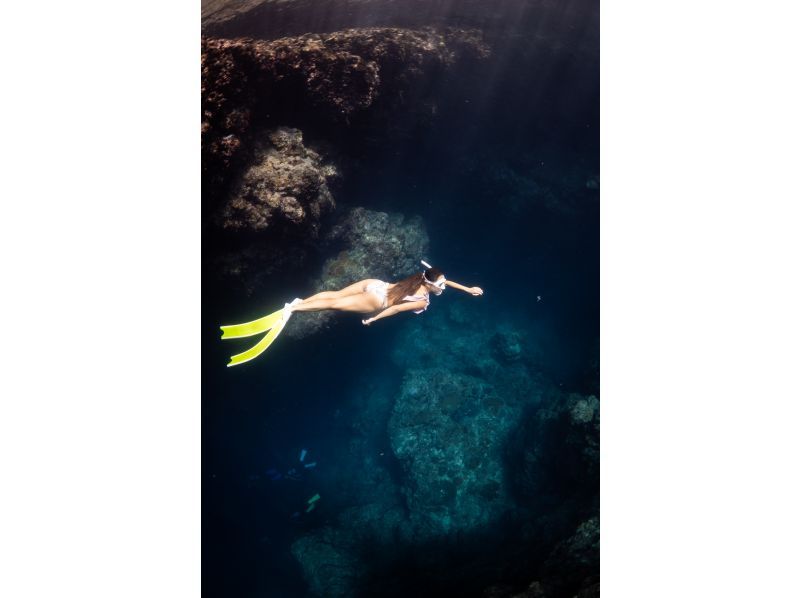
(260, 347)
(251, 328)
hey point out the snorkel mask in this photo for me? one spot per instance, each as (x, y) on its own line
(439, 284)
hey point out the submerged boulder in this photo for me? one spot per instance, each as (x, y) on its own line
(574, 565)
(447, 430)
(553, 470)
(266, 190)
(271, 220)
(372, 245)
(285, 185)
(313, 78)
(482, 451)
(330, 562)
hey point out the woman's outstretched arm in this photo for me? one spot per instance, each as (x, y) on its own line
(396, 309)
(471, 290)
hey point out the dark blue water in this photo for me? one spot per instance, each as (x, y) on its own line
(535, 252)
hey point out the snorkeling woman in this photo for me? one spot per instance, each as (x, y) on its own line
(368, 296)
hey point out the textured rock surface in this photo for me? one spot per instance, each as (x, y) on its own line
(448, 430)
(378, 245)
(331, 556)
(559, 448)
(576, 559)
(271, 220)
(452, 450)
(326, 77)
(571, 569)
(286, 182)
(373, 245)
(331, 562)
(458, 403)
(269, 19)
(264, 185)
(485, 344)
(470, 447)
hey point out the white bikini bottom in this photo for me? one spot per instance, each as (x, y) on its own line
(380, 289)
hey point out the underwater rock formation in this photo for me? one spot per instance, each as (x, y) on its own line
(559, 449)
(482, 448)
(448, 422)
(388, 246)
(332, 556)
(507, 346)
(286, 182)
(447, 430)
(328, 78)
(269, 19)
(272, 219)
(330, 560)
(263, 185)
(485, 346)
(572, 568)
(372, 245)
(575, 562)
(466, 467)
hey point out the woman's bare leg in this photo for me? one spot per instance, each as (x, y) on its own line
(356, 287)
(362, 303)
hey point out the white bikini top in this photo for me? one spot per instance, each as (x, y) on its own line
(425, 297)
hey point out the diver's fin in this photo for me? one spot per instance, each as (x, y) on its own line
(251, 328)
(262, 345)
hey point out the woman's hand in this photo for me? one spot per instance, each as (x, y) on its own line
(368, 321)
(476, 291)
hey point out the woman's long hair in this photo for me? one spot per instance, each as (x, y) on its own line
(410, 284)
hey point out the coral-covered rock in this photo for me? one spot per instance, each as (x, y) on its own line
(448, 430)
(249, 84)
(373, 245)
(331, 557)
(271, 220)
(574, 564)
(487, 345)
(507, 346)
(269, 19)
(450, 422)
(556, 450)
(269, 191)
(378, 245)
(330, 562)
(475, 440)
(286, 182)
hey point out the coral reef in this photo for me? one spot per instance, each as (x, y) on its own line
(447, 430)
(571, 569)
(559, 449)
(371, 245)
(373, 514)
(462, 461)
(266, 188)
(478, 438)
(271, 220)
(573, 565)
(512, 353)
(287, 182)
(247, 84)
(269, 19)
(378, 245)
